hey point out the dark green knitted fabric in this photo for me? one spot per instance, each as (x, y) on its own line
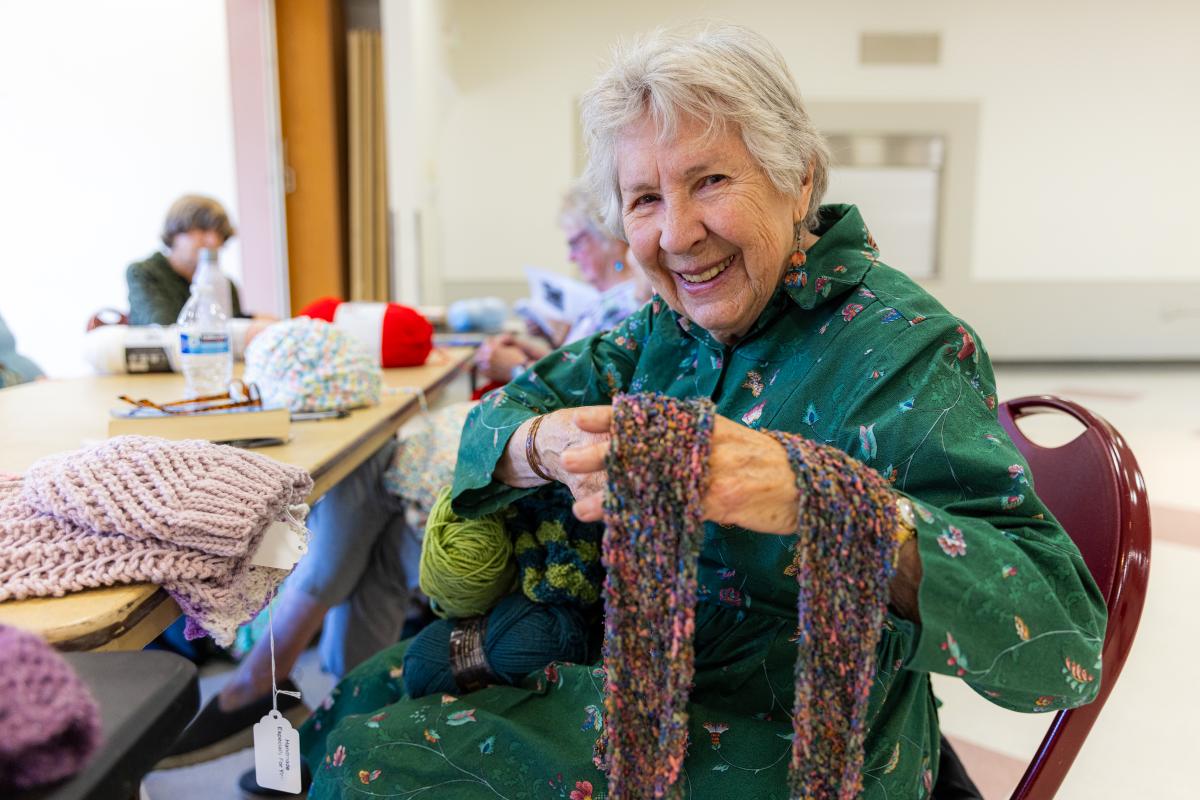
(558, 556)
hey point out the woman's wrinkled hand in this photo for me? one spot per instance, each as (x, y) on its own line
(576, 430)
(558, 432)
(750, 481)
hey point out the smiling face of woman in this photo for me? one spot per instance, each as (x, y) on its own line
(701, 216)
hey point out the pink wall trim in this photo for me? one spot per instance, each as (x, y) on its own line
(1177, 525)
(257, 146)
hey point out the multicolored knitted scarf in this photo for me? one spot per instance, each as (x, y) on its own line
(657, 471)
(844, 559)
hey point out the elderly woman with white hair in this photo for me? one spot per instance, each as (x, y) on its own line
(604, 263)
(781, 311)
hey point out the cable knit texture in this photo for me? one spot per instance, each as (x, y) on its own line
(184, 515)
(50, 721)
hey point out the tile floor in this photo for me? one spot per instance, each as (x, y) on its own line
(1145, 743)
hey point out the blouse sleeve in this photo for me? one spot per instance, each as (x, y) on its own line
(148, 302)
(587, 372)
(236, 302)
(1006, 601)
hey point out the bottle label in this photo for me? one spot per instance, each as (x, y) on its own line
(205, 344)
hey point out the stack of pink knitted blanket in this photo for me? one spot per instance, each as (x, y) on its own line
(187, 516)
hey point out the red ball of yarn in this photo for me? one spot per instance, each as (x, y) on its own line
(321, 308)
(406, 337)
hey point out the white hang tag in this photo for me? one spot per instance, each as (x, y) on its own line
(281, 546)
(277, 753)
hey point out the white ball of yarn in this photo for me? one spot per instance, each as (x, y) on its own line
(104, 349)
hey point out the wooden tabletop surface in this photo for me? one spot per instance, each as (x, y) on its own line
(45, 417)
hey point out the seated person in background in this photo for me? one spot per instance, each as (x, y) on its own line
(159, 286)
(605, 263)
(14, 367)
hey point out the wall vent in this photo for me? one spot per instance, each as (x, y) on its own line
(899, 48)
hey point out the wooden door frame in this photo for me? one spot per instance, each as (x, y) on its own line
(311, 51)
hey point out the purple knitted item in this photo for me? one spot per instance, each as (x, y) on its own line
(192, 493)
(184, 515)
(50, 721)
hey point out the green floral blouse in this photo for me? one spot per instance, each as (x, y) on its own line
(849, 352)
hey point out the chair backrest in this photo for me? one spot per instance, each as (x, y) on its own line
(107, 316)
(1092, 484)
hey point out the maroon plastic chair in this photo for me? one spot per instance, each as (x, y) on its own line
(107, 316)
(1092, 484)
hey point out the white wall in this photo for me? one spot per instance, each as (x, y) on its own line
(1088, 122)
(108, 111)
(419, 93)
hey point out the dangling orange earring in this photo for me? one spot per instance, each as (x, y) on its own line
(798, 254)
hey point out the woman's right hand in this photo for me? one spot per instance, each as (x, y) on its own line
(559, 431)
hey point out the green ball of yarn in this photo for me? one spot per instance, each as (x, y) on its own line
(467, 565)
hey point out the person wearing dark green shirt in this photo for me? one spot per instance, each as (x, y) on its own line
(160, 285)
(783, 313)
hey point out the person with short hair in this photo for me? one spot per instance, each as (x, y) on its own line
(605, 263)
(160, 285)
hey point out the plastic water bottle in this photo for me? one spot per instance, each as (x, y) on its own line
(205, 345)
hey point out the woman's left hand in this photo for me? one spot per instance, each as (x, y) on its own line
(750, 484)
(750, 481)
(497, 356)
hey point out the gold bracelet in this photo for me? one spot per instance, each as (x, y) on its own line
(531, 455)
(906, 520)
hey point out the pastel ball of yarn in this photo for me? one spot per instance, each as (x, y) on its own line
(521, 637)
(466, 564)
(307, 364)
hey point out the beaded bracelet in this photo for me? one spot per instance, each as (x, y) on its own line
(468, 660)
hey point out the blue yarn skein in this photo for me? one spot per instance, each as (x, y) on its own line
(522, 637)
(486, 314)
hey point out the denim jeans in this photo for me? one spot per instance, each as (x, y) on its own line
(362, 562)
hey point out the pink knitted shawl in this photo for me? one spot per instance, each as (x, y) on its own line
(184, 515)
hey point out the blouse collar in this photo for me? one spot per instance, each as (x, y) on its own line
(836, 264)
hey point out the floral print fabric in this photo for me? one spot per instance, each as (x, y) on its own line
(848, 352)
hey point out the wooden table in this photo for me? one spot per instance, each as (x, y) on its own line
(45, 417)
